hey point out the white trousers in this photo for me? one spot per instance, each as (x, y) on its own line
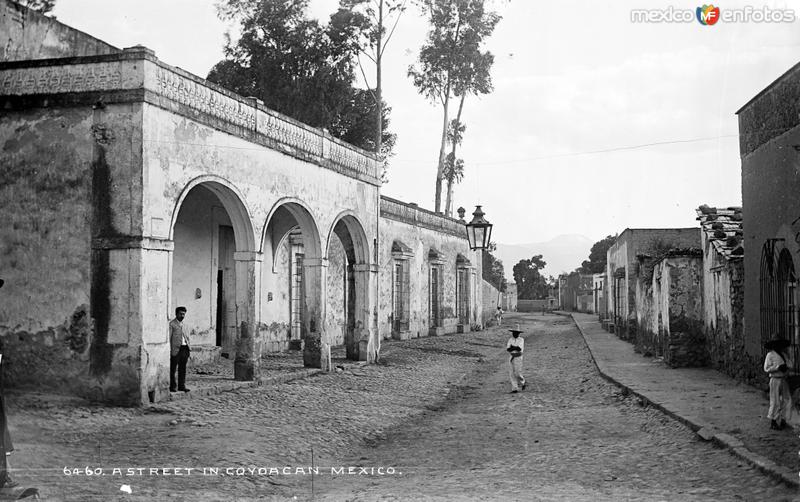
(515, 373)
(779, 399)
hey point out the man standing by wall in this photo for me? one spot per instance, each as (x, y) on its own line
(179, 351)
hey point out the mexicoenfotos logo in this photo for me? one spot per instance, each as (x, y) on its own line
(708, 15)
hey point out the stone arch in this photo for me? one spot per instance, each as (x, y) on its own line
(213, 256)
(349, 226)
(305, 219)
(232, 200)
(349, 284)
(292, 316)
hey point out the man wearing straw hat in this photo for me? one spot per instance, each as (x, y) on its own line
(515, 347)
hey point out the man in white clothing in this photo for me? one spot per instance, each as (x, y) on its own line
(515, 347)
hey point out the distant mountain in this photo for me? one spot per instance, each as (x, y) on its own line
(563, 253)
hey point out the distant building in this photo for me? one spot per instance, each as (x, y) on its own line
(509, 297)
(575, 292)
(598, 299)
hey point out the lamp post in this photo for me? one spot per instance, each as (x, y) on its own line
(479, 230)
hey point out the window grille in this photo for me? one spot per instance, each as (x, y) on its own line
(778, 301)
(400, 296)
(297, 296)
(462, 296)
(434, 298)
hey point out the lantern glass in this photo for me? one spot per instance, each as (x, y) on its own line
(479, 231)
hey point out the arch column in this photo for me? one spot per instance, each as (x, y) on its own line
(367, 344)
(246, 365)
(317, 347)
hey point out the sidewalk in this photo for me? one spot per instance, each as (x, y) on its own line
(717, 407)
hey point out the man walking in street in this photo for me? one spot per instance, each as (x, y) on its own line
(515, 347)
(179, 351)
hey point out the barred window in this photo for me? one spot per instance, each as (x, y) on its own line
(463, 296)
(434, 297)
(400, 296)
(778, 297)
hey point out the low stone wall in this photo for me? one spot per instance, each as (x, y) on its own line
(534, 305)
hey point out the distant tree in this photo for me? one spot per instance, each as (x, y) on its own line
(493, 271)
(531, 284)
(596, 263)
(43, 6)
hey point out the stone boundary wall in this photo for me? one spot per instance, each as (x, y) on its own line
(533, 305)
(490, 296)
(136, 75)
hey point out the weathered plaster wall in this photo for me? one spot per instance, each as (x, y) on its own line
(421, 239)
(669, 295)
(27, 34)
(275, 329)
(623, 254)
(45, 247)
(57, 168)
(335, 320)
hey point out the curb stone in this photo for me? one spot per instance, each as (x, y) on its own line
(704, 430)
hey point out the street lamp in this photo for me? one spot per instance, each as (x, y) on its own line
(479, 231)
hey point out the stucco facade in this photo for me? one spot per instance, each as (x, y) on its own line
(430, 280)
(148, 188)
(768, 145)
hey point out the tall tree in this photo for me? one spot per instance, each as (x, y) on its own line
(449, 57)
(531, 284)
(477, 80)
(375, 21)
(596, 263)
(298, 66)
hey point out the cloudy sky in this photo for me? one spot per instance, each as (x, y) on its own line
(596, 123)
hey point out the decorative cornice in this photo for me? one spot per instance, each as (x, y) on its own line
(394, 209)
(111, 77)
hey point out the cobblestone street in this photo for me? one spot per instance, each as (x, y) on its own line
(434, 420)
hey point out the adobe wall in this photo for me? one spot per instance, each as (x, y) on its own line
(623, 255)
